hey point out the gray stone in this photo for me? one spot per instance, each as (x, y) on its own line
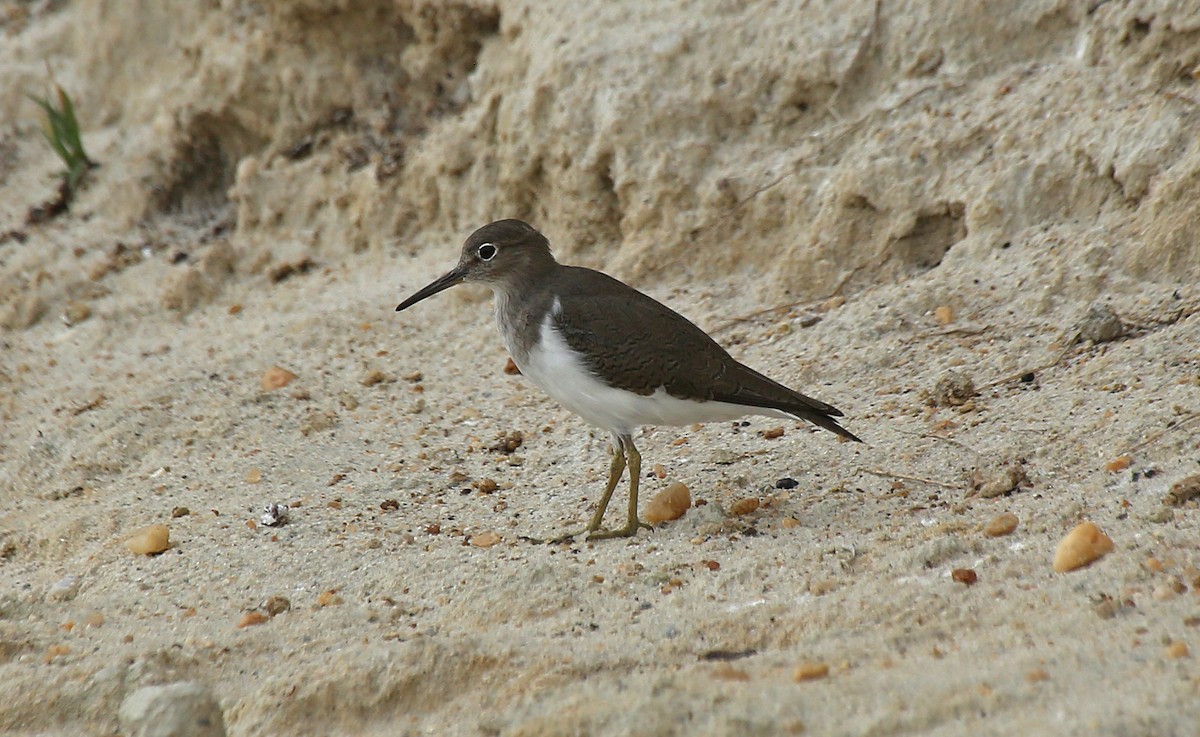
(186, 709)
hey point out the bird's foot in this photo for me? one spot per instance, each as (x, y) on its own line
(592, 534)
(628, 530)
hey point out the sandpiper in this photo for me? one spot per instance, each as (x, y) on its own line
(612, 355)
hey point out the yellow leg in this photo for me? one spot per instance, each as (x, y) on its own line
(614, 475)
(630, 529)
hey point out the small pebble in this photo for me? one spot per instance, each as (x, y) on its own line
(389, 505)
(1000, 479)
(1177, 650)
(274, 515)
(276, 378)
(789, 523)
(1164, 592)
(373, 377)
(1001, 525)
(76, 313)
(966, 576)
(1183, 491)
(186, 709)
(786, 483)
(276, 605)
(1154, 564)
(329, 598)
(772, 434)
(253, 476)
(64, 589)
(1120, 463)
(952, 390)
(250, 619)
(1083, 545)
(743, 506)
(180, 512)
(669, 504)
(1101, 324)
(149, 540)
(1037, 675)
(508, 442)
(943, 315)
(485, 539)
(809, 672)
(486, 486)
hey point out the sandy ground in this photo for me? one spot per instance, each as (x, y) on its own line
(402, 596)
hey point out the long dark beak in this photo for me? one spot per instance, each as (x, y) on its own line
(453, 277)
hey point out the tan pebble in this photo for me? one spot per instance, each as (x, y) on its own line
(1037, 675)
(1154, 564)
(76, 312)
(180, 512)
(235, 308)
(251, 524)
(743, 506)
(253, 476)
(1177, 650)
(810, 672)
(726, 672)
(93, 619)
(373, 377)
(597, 579)
(943, 315)
(1083, 545)
(668, 504)
(276, 605)
(712, 565)
(55, 651)
(330, 598)
(966, 576)
(659, 471)
(249, 619)
(1120, 463)
(149, 540)
(772, 433)
(485, 539)
(789, 523)
(1001, 525)
(276, 378)
(486, 486)
(1183, 491)
(1164, 592)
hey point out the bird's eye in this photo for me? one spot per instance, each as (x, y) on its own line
(486, 252)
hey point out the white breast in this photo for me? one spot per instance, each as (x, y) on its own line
(560, 372)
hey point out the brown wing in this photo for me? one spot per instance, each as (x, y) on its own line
(639, 344)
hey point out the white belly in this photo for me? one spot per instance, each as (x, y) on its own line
(558, 371)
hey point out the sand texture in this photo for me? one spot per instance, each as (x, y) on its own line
(973, 227)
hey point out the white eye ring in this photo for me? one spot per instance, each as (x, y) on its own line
(487, 252)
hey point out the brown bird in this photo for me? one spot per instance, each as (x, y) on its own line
(612, 355)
